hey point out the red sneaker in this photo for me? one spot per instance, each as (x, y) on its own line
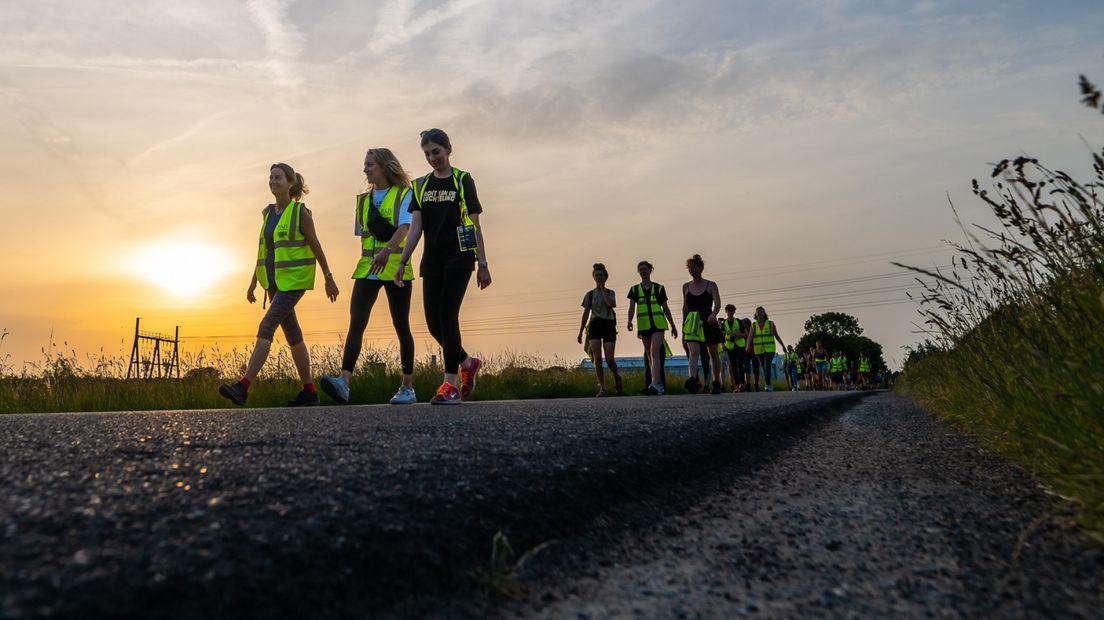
(467, 378)
(447, 394)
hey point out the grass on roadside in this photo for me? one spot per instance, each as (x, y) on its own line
(1017, 355)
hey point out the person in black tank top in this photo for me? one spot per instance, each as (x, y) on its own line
(700, 329)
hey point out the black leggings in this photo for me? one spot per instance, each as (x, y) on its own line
(444, 287)
(364, 297)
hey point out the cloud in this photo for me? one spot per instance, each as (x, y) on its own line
(180, 138)
(283, 40)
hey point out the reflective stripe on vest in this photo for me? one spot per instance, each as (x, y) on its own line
(458, 183)
(294, 259)
(369, 245)
(864, 364)
(762, 337)
(692, 328)
(649, 313)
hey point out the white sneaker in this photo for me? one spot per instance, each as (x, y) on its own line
(405, 396)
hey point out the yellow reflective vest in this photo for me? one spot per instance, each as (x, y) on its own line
(293, 257)
(649, 312)
(762, 337)
(731, 330)
(369, 245)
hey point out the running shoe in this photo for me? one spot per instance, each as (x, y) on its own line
(716, 389)
(601, 394)
(304, 399)
(768, 388)
(405, 396)
(691, 385)
(236, 392)
(467, 378)
(447, 394)
(655, 389)
(335, 388)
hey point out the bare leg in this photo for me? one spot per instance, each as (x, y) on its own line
(596, 357)
(257, 358)
(657, 357)
(612, 363)
(301, 356)
(715, 357)
(693, 349)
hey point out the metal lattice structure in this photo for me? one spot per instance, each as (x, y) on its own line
(146, 361)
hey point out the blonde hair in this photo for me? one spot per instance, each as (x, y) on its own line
(392, 169)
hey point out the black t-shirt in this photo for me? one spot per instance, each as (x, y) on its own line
(440, 207)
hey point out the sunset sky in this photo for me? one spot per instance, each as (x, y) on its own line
(799, 147)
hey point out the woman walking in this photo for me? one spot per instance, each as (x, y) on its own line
(446, 208)
(700, 330)
(601, 331)
(763, 335)
(648, 303)
(382, 222)
(286, 255)
(734, 342)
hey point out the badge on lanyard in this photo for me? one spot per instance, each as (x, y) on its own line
(465, 235)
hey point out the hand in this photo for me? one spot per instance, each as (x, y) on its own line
(483, 277)
(252, 298)
(630, 326)
(379, 262)
(674, 332)
(580, 338)
(399, 275)
(331, 288)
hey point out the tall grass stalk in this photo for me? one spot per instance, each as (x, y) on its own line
(1017, 352)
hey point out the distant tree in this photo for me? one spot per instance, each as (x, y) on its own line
(840, 332)
(835, 324)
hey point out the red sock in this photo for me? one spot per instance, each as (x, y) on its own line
(309, 387)
(246, 382)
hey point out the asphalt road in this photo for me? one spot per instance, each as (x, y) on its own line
(343, 512)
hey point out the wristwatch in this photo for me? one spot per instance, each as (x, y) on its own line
(482, 263)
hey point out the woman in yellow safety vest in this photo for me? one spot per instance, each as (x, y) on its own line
(734, 347)
(600, 331)
(648, 303)
(447, 208)
(382, 221)
(287, 251)
(790, 365)
(761, 338)
(701, 301)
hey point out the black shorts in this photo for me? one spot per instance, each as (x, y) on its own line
(602, 329)
(648, 332)
(713, 333)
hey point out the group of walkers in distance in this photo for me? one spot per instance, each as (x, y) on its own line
(390, 219)
(748, 345)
